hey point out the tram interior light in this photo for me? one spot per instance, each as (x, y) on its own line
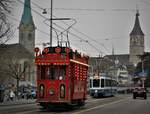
(36, 49)
(46, 50)
(58, 50)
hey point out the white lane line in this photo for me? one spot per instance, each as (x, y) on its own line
(99, 106)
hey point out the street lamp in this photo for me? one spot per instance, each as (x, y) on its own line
(51, 26)
(143, 74)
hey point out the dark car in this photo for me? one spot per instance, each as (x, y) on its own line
(139, 92)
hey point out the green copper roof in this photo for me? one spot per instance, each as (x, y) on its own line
(27, 16)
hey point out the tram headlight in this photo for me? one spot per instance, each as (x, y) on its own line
(62, 91)
(60, 77)
(51, 92)
(96, 91)
(41, 90)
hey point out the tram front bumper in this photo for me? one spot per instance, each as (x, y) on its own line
(96, 93)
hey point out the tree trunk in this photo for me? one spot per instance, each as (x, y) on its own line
(17, 87)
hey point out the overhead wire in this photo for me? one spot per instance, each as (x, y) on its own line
(77, 31)
(35, 12)
(87, 9)
(15, 19)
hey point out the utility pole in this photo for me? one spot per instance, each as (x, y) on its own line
(51, 23)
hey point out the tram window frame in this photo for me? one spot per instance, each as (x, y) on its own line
(102, 83)
(106, 82)
(113, 83)
(110, 82)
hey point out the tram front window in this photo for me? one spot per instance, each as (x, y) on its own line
(41, 75)
(96, 83)
(52, 72)
(102, 83)
(56, 72)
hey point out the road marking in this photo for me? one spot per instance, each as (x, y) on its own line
(99, 106)
(94, 100)
(25, 112)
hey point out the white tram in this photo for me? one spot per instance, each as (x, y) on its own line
(102, 86)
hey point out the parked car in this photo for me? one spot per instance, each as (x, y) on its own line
(139, 92)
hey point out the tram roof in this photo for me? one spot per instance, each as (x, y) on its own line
(53, 49)
(59, 55)
(101, 77)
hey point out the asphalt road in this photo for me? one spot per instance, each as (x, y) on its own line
(120, 104)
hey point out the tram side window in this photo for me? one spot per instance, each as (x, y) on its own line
(108, 82)
(43, 74)
(90, 83)
(102, 83)
(114, 83)
(38, 72)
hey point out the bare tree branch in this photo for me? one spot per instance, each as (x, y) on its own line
(5, 27)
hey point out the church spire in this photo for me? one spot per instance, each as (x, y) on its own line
(137, 28)
(27, 15)
(27, 28)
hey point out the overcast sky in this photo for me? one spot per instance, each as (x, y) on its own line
(102, 24)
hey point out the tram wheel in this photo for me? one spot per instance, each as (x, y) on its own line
(81, 103)
(43, 105)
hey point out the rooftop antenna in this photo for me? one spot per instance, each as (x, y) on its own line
(68, 39)
(137, 8)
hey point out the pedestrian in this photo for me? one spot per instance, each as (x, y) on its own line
(2, 90)
(12, 95)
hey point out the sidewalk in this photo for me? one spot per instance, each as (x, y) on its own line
(18, 102)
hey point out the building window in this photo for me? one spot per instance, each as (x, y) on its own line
(29, 36)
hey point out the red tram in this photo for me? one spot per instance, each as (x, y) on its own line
(61, 76)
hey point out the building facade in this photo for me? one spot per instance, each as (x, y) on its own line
(27, 37)
(17, 55)
(128, 61)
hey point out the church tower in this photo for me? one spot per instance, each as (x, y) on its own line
(136, 41)
(27, 28)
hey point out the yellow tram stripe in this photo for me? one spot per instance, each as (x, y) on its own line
(79, 62)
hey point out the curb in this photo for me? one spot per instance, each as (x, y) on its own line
(17, 103)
